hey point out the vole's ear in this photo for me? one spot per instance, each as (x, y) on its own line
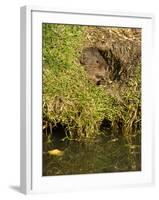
(81, 60)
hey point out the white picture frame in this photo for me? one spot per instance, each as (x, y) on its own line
(31, 100)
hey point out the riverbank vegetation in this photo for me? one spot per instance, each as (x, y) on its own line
(73, 101)
(91, 99)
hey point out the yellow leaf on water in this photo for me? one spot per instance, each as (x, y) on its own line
(55, 152)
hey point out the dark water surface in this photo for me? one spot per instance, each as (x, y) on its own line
(91, 156)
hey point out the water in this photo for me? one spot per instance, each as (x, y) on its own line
(99, 155)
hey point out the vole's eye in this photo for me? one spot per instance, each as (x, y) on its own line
(97, 61)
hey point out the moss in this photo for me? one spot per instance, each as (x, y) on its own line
(69, 97)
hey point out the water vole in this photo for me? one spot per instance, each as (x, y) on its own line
(94, 64)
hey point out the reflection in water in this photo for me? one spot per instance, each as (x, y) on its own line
(91, 156)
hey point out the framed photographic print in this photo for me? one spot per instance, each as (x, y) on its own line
(86, 100)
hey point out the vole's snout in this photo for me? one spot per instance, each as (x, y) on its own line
(99, 79)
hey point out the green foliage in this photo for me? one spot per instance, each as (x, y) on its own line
(60, 46)
(69, 97)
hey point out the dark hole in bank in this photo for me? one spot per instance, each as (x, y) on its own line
(105, 125)
(59, 131)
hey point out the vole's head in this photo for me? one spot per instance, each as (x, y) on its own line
(94, 64)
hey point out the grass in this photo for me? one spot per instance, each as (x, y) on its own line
(70, 98)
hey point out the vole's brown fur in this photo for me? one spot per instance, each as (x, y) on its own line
(94, 64)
